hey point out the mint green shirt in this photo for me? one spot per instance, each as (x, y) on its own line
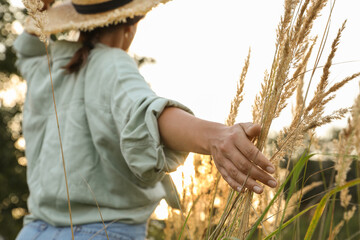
(108, 121)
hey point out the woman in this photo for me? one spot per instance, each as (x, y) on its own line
(118, 137)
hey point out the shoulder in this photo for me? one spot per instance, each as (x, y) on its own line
(105, 56)
(115, 72)
(114, 65)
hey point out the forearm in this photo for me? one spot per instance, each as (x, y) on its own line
(237, 159)
(182, 131)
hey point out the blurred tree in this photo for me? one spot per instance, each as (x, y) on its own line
(11, 17)
(13, 188)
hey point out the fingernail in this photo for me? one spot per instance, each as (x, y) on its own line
(272, 183)
(270, 169)
(257, 189)
(239, 189)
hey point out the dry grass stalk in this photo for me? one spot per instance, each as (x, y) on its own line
(304, 121)
(293, 50)
(296, 83)
(356, 123)
(336, 230)
(345, 147)
(346, 218)
(294, 200)
(307, 21)
(279, 87)
(344, 160)
(299, 21)
(201, 189)
(35, 11)
(286, 55)
(320, 94)
(261, 98)
(235, 103)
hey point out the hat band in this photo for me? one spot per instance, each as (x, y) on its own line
(100, 7)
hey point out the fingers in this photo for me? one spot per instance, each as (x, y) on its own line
(238, 180)
(247, 148)
(239, 172)
(245, 166)
(240, 163)
(251, 129)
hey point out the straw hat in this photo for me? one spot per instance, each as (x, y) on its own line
(89, 14)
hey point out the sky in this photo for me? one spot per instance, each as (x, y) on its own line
(200, 47)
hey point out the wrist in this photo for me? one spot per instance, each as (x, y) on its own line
(213, 133)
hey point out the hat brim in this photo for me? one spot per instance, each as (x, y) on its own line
(63, 17)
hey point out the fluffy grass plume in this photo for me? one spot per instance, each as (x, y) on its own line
(35, 11)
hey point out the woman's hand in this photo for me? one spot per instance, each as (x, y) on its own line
(240, 163)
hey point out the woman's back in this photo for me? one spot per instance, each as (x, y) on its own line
(108, 123)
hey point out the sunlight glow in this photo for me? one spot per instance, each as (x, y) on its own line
(20, 143)
(16, 27)
(271, 218)
(217, 202)
(17, 3)
(9, 97)
(2, 48)
(182, 177)
(202, 216)
(22, 161)
(12, 91)
(18, 213)
(161, 211)
(256, 201)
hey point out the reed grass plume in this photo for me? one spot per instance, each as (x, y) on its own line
(347, 145)
(35, 11)
(355, 114)
(293, 50)
(235, 103)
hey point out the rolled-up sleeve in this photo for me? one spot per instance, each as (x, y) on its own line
(136, 109)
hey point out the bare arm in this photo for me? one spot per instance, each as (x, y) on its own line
(234, 154)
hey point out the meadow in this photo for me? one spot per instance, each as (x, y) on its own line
(318, 194)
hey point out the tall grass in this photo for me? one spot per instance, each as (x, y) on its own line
(244, 215)
(214, 211)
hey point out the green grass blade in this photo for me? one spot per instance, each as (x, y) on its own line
(288, 222)
(299, 165)
(320, 208)
(292, 188)
(187, 217)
